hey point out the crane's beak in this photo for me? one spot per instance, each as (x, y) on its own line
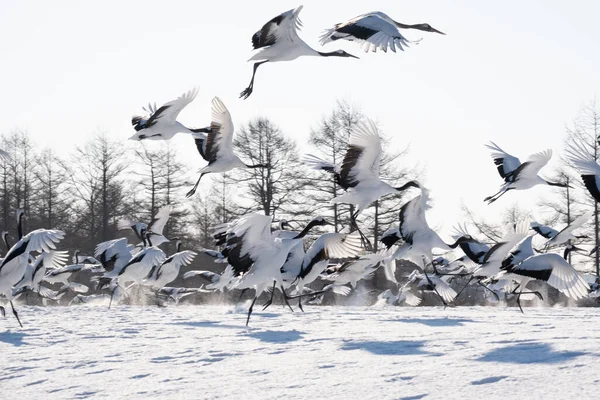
(436, 31)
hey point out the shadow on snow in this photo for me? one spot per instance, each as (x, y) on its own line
(529, 353)
(391, 348)
(436, 321)
(14, 338)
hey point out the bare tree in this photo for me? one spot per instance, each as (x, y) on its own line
(98, 185)
(17, 175)
(330, 139)
(52, 192)
(276, 188)
(586, 131)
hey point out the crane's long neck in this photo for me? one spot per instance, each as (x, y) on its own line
(568, 251)
(5, 239)
(559, 184)
(455, 244)
(257, 166)
(305, 230)
(329, 54)
(20, 226)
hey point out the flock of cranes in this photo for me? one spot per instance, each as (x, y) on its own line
(258, 256)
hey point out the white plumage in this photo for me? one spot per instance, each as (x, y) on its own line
(168, 270)
(216, 146)
(517, 175)
(161, 123)
(374, 30)
(278, 40)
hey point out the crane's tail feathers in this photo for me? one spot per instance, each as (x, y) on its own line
(329, 35)
(317, 163)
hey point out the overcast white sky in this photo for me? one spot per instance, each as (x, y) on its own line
(514, 72)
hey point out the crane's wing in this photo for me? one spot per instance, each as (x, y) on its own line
(285, 26)
(505, 162)
(390, 237)
(168, 113)
(43, 240)
(533, 165)
(578, 222)
(117, 249)
(54, 259)
(370, 30)
(247, 240)
(544, 230)
(557, 272)
(315, 162)
(148, 257)
(208, 275)
(332, 245)
(160, 219)
(585, 162)
(412, 218)
(182, 258)
(362, 159)
(219, 141)
(444, 290)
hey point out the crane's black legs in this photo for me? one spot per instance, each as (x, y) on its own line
(365, 241)
(15, 313)
(191, 192)
(300, 304)
(464, 287)
(538, 294)
(2, 312)
(250, 310)
(248, 91)
(268, 303)
(432, 284)
(242, 294)
(493, 198)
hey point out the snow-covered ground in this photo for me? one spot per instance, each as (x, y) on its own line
(328, 352)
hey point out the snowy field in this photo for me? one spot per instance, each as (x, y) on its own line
(328, 352)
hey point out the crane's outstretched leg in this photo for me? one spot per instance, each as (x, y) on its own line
(300, 304)
(493, 198)
(241, 294)
(285, 298)
(15, 313)
(365, 241)
(191, 192)
(270, 301)
(464, 287)
(250, 310)
(432, 284)
(490, 290)
(248, 91)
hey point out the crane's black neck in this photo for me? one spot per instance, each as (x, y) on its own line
(257, 166)
(304, 231)
(5, 239)
(331, 54)
(203, 130)
(568, 251)
(407, 185)
(420, 27)
(20, 226)
(559, 184)
(456, 243)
